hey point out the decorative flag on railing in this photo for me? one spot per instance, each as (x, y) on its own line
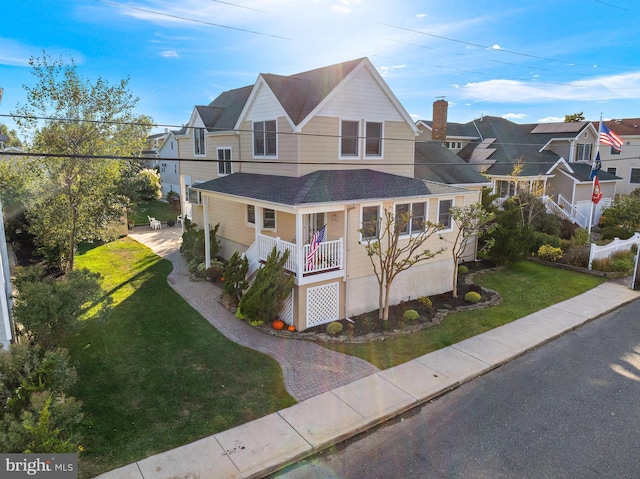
(596, 196)
(597, 164)
(608, 137)
(316, 239)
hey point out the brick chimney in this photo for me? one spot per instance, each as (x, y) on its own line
(439, 126)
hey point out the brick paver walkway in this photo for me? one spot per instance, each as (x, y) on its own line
(308, 369)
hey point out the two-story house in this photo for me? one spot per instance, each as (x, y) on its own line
(329, 148)
(624, 163)
(6, 322)
(553, 158)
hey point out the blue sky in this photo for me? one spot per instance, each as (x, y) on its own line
(526, 61)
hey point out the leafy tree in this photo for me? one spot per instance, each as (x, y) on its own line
(49, 309)
(622, 218)
(148, 184)
(390, 255)
(12, 137)
(264, 299)
(471, 222)
(512, 237)
(81, 192)
(574, 118)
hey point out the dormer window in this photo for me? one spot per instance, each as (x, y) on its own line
(198, 142)
(264, 138)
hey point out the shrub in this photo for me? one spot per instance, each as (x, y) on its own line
(620, 262)
(610, 232)
(580, 237)
(425, 301)
(334, 328)
(540, 239)
(577, 256)
(235, 274)
(215, 271)
(568, 229)
(271, 287)
(462, 269)
(410, 315)
(549, 253)
(193, 241)
(472, 297)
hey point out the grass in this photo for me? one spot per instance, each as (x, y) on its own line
(525, 287)
(154, 374)
(160, 210)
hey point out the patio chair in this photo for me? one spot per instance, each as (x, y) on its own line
(154, 223)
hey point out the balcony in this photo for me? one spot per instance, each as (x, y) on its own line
(328, 257)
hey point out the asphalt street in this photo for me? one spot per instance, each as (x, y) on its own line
(568, 409)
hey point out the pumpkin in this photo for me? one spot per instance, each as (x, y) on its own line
(291, 328)
(277, 324)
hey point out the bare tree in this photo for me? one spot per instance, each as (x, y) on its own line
(392, 253)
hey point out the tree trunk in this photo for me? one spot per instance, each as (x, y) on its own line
(380, 301)
(387, 291)
(455, 278)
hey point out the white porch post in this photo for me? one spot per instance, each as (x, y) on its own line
(207, 241)
(299, 246)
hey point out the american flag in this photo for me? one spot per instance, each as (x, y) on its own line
(316, 239)
(608, 137)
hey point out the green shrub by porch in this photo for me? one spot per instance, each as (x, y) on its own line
(472, 297)
(410, 315)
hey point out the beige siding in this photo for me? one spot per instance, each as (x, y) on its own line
(287, 152)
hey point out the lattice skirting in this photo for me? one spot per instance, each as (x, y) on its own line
(286, 314)
(323, 304)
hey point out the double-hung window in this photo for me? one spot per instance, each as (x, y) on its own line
(410, 218)
(634, 177)
(370, 222)
(265, 138)
(349, 138)
(198, 142)
(373, 139)
(444, 214)
(583, 152)
(224, 161)
(268, 217)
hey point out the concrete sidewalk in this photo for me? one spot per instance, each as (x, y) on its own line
(274, 441)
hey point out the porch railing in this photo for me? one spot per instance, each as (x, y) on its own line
(328, 256)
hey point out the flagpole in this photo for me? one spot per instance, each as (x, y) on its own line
(593, 167)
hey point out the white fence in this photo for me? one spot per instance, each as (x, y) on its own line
(600, 252)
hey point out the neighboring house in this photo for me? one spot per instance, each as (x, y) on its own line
(6, 322)
(275, 161)
(553, 158)
(168, 164)
(625, 163)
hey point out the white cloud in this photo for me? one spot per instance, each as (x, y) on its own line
(621, 86)
(514, 116)
(169, 54)
(551, 119)
(387, 70)
(495, 47)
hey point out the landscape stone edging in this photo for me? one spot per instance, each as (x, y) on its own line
(495, 299)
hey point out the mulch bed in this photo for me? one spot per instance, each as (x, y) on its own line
(368, 323)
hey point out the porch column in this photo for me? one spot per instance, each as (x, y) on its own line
(259, 220)
(207, 241)
(300, 259)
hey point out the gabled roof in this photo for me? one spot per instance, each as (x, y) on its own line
(622, 127)
(299, 94)
(435, 162)
(323, 186)
(582, 173)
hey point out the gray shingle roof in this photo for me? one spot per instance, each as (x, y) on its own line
(435, 162)
(324, 186)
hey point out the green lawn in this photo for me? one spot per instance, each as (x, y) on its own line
(154, 374)
(160, 210)
(525, 287)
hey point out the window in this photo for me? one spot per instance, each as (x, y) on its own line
(613, 151)
(635, 175)
(224, 161)
(416, 212)
(268, 217)
(373, 139)
(370, 222)
(264, 138)
(349, 138)
(583, 152)
(444, 213)
(613, 171)
(198, 141)
(163, 168)
(453, 145)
